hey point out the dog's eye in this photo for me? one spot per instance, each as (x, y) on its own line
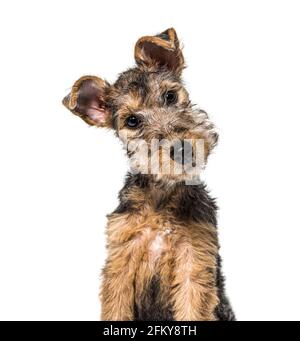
(132, 121)
(170, 97)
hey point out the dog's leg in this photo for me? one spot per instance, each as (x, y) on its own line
(194, 291)
(117, 293)
(126, 246)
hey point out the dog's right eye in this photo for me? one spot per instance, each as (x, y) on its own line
(132, 121)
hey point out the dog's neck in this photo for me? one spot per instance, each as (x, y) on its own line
(185, 201)
(165, 183)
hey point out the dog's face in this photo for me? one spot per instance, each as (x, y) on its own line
(149, 109)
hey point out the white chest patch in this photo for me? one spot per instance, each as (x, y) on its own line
(158, 244)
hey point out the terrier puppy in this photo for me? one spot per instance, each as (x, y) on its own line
(163, 261)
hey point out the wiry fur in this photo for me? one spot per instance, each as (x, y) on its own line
(163, 261)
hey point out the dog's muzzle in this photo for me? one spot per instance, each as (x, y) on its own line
(182, 152)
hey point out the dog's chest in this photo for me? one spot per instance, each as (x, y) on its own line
(158, 242)
(146, 236)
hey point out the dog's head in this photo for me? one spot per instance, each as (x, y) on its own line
(149, 109)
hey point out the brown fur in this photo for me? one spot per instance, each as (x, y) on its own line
(192, 298)
(187, 250)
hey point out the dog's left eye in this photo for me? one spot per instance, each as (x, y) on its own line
(132, 121)
(170, 97)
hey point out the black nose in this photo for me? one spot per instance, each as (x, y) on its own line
(182, 152)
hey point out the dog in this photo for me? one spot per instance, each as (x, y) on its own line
(163, 261)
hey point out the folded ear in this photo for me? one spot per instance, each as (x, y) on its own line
(160, 51)
(88, 101)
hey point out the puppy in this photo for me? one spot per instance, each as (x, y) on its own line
(163, 261)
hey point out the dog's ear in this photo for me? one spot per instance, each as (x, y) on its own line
(160, 51)
(88, 101)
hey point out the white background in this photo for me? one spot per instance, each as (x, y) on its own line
(59, 178)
